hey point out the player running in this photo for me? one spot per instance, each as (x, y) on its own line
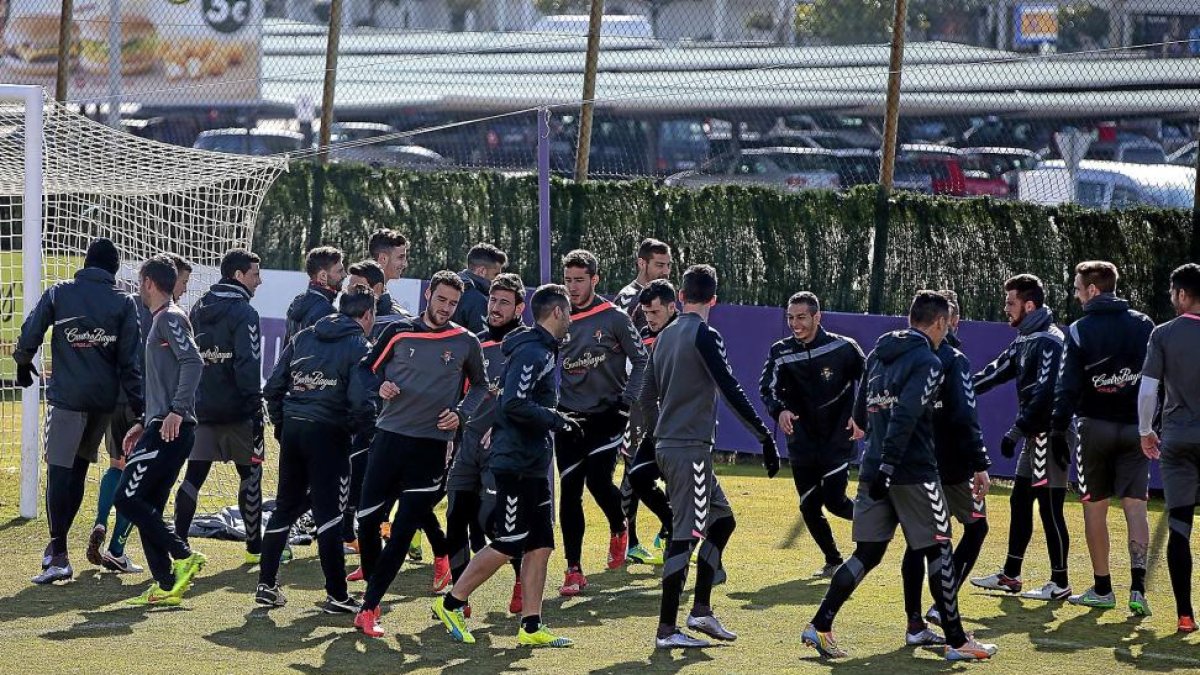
(679, 400)
(326, 271)
(157, 451)
(1033, 360)
(229, 400)
(484, 263)
(653, 263)
(94, 350)
(807, 385)
(420, 368)
(1102, 363)
(1171, 362)
(898, 483)
(316, 398)
(465, 521)
(962, 463)
(599, 387)
(521, 504)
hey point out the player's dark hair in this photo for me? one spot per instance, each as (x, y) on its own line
(181, 264)
(659, 289)
(511, 283)
(382, 240)
(1028, 287)
(238, 260)
(1186, 278)
(582, 259)
(927, 307)
(652, 247)
(356, 301)
(321, 258)
(1099, 273)
(484, 254)
(160, 270)
(806, 298)
(369, 270)
(446, 278)
(700, 284)
(546, 298)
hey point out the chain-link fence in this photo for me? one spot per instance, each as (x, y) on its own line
(788, 94)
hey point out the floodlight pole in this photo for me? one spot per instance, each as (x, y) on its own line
(1195, 253)
(887, 162)
(64, 50)
(583, 147)
(331, 59)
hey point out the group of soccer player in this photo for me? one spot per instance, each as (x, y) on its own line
(380, 414)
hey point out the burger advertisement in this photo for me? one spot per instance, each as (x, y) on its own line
(181, 52)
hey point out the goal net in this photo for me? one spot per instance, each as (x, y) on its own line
(65, 180)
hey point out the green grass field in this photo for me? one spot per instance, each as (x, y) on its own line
(84, 626)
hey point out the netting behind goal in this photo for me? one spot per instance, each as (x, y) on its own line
(148, 197)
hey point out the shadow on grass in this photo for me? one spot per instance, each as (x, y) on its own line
(807, 591)
(89, 590)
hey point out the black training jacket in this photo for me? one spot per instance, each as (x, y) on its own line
(307, 308)
(521, 438)
(1102, 364)
(815, 381)
(899, 389)
(93, 344)
(1033, 360)
(957, 438)
(316, 378)
(471, 312)
(227, 334)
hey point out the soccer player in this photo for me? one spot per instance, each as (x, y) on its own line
(898, 483)
(808, 385)
(599, 387)
(465, 526)
(962, 463)
(326, 271)
(420, 368)
(389, 250)
(657, 306)
(1033, 360)
(679, 400)
(1171, 363)
(521, 521)
(183, 275)
(484, 263)
(653, 262)
(1102, 363)
(157, 451)
(94, 350)
(229, 401)
(316, 398)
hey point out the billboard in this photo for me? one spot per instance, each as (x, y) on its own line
(1035, 24)
(183, 52)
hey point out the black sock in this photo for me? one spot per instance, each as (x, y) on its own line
(675, 569)
(1139, 580)
(944, 589)
(1179, 557)
(1020, 526)
(866, 557)
(968, 548)
(452, 603)
(1060, 577)
(912, 576)
(1103, 584)
(531, 623)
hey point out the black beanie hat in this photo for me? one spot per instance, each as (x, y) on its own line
(102, 253)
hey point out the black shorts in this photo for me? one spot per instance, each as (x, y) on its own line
(522, 514)
(119, 424)
(397, 464)
(600, 439)
(811, 469)
(1111, 463)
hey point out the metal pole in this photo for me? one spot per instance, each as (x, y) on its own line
(114, 63)
(584, 147)
(543, 164)
(1195, 255)
(31, 289)
(331, 58)
(887, 162)
(64, 50)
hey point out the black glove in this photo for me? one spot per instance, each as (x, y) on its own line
(1060, 450)
(277, 431)
(1008, 444)
(647, 444)
(770, 457)
(881, 483)
(25, 374)
(568, 424)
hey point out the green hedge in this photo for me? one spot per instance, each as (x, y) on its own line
(766, 245)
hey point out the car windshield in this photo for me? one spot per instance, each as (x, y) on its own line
(799, 162)
(1149, 155)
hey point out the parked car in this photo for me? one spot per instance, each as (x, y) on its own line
(259, 142)
(950, 177)
(860, 166)
(401, 156)
(1185, 155)
(1109, 185)
(611, 25)
(1139, 150)
(784, 168)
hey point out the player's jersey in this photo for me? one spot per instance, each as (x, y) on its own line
(229, 339)
(957, 439)
(315, 303)
(491, 344)
(599, 344)
(1033, 360)
(627, 301)
(173, 366)
(1171, 359)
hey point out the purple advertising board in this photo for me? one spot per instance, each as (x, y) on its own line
(749, 332)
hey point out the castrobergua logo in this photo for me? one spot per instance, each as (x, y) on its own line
(881, 401)
(89, 338)
(215, 355)
(582, 364)
(313, 381)
(1108, 384)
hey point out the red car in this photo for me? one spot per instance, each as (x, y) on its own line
(954, 174)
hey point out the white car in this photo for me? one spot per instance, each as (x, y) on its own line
(783, 168)
(1109, 185)
(611, 25)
